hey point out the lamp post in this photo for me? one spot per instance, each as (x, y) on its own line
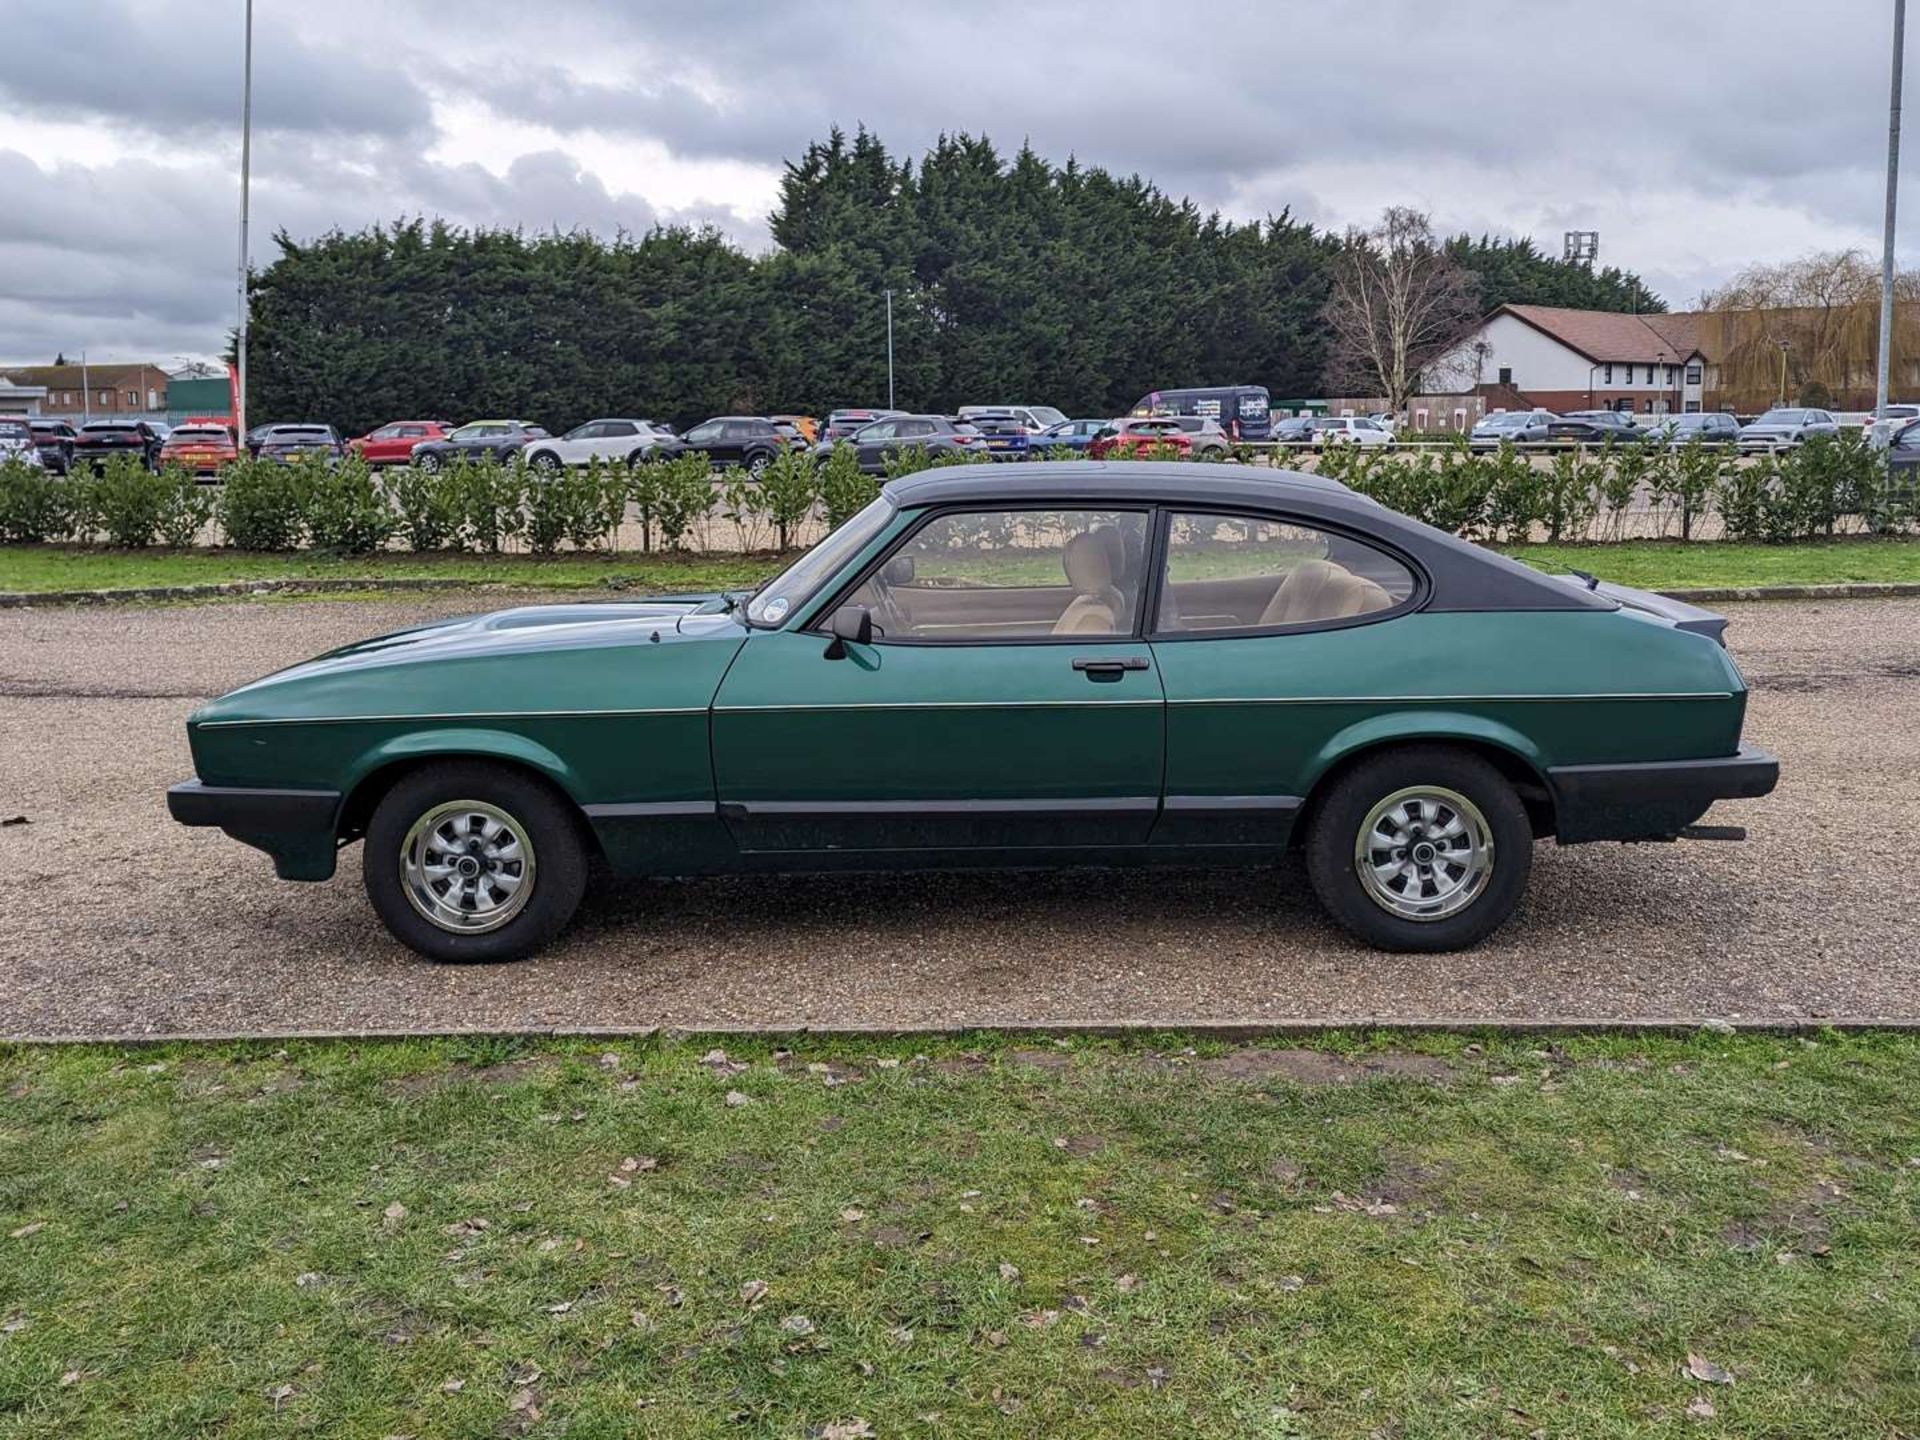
(1880, 428)
(1784, 347)
(246, 178)
(890, 349)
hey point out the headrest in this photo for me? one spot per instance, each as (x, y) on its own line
(1092, 559)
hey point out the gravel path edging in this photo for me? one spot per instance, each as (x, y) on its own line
(17, 599)
(1238, 1031)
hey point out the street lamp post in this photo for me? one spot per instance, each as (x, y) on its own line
(890, 350)
(246, 178)
(1880, 427)
(1784, 347)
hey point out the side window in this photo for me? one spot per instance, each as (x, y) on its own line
(703, 434)
(1231, 572)
(1011, 575)
(613, 429)
(880, 430)
(915, 429)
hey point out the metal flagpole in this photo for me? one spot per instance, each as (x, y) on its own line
(246, 177)
(1880, 435)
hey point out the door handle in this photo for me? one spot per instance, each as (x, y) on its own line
(1106, 667)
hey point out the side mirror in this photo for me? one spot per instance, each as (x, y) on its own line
(899, 570)
(849, 623)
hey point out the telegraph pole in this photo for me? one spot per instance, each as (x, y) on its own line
(1880, 433)
(246, 177)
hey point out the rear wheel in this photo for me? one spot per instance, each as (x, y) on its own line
(757, 465)
(545, 461)
(1422, 848)
(468, 861)
(428, 462)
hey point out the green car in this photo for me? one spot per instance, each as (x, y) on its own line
(1075, 663)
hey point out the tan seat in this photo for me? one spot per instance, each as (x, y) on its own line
(1093, 561)
(1317, 590)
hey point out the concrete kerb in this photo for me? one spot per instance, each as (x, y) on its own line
(17, 599)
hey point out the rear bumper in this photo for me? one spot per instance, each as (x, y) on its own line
(1653, 800)
(295, 827)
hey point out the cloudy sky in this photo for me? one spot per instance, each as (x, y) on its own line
(1695, 137)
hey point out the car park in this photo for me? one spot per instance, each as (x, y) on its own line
(98, 441)
(1786, 426)
(392, 444)
(16, 443)
(1244, 412)
(497, 440)
(747, 441)
(1596, 427)
(54, 439)
(200, 449)
(1348, 430)
(1063, 664)
(624, 442)
(874, 444)
(283, 444)
(1515, 426)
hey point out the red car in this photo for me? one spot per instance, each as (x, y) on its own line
(1139, 436)
(393, 444)
(203, 449)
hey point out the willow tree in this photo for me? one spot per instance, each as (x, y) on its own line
(1807, 330)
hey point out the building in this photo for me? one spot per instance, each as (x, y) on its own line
(1526, 356)
(19, 399)
(101, 391)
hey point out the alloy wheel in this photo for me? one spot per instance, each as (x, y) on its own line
(467, 866)
(1424, 853)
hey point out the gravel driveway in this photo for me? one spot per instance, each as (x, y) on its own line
(115, 921)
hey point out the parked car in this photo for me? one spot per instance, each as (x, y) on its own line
(1787, 426)
(1704, 427)
(1518, 426)
(1223, 667)
(201, 449)
(807, 427)
(1073, 434)
(744, 440)
(1007, 434)
(1034, 419)
(626, 442)
(1244, 412)
(499, 440)
(1292, 429)
(97, 441)
(1348, 430)
(54, 439)
(1595, 427)
(17, 445)
(790, 433)
(283, 444)
(936, 434)
(842, 423)
(1139, 436)
(393, 444)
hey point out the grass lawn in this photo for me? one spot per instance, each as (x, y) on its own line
(962, 1237)
(53, 567)
(1671, 565)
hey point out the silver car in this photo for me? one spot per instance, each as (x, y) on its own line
(1783, 428)
(1515, 425)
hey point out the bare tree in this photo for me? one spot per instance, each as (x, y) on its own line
(1399, 304)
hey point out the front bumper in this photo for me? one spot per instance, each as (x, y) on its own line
(1653, 800)
(295, 827)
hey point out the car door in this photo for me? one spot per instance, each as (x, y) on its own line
(870, 444)
(1272, 636)
(616, 440)
(1005, 700)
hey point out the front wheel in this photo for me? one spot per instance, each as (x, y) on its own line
(1425, 848)
(757, 466)
(428, 462)
(468, 861)
(546, 462)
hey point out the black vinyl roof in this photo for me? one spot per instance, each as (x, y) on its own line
(1463, 576)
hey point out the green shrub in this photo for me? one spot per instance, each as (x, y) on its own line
(35, 504)
(791, 485)
(601, 505)
(1568, 501)
(552, 504)
(262, 505)
(1744, 496)
(122, 501)
(1623, 470)
(185, 508)
(426, 508)
(489, 497)
(1516, 494)
(1692, 481)
(347, 512)
(844, 490)
(682, 493)
(1461, 489)
(910, 461)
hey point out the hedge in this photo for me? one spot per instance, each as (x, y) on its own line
(1822, 488)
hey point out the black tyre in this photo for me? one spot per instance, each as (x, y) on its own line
(757, 464)
(428, 462)
(468, 861)
(545, 461)
(1421, 848)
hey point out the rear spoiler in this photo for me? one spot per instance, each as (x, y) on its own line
(1678, 612)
